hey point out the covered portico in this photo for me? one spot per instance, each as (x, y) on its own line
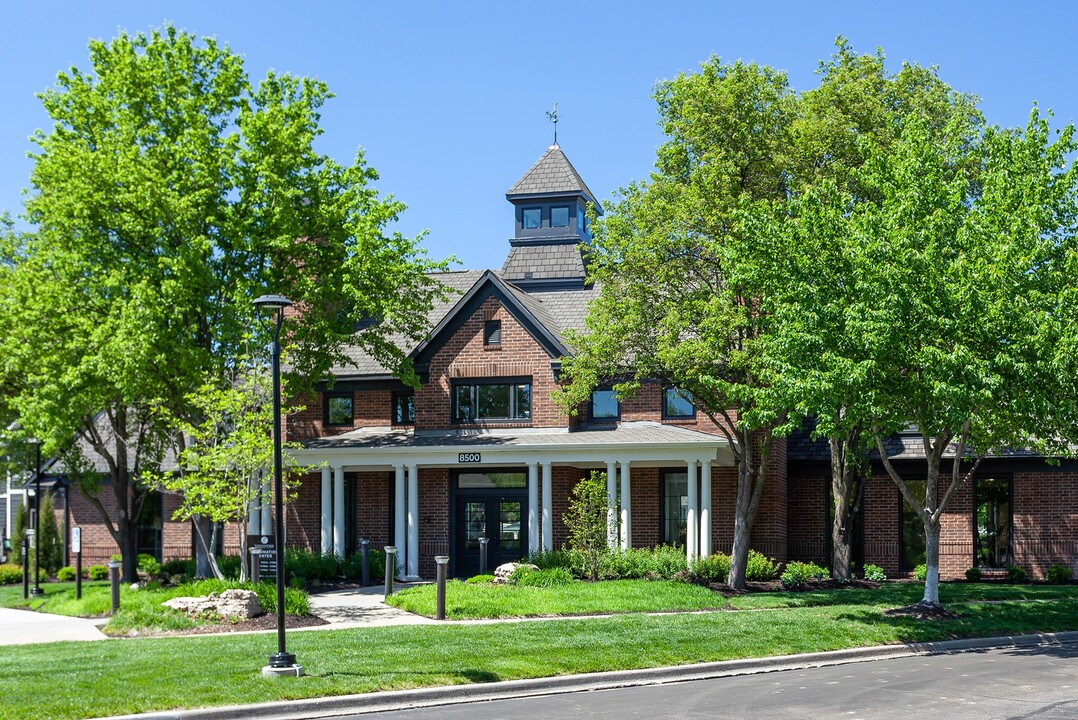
(615, 450)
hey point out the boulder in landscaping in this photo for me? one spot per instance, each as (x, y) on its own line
(237, 604)
(503, 571)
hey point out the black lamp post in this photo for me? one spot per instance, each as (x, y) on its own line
(37, 519)
(277, 303)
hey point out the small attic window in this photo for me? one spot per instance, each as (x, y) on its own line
(533, 218)
(492, 332)
(559, 216)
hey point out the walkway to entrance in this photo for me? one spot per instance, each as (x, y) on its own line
(23, 627)
(361, 607)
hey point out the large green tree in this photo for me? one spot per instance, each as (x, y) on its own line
(973, 235)
(828, 318)
(170, 191)
(676, 258)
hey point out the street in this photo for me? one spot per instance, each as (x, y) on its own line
(1038, 683)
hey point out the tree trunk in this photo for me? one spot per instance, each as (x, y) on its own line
(739, 556)
(750, 485)
(932, 565)
(840, 523)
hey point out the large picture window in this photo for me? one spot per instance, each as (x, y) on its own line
(992, 536)
(492, 401)
(675, 508)
(911, 528)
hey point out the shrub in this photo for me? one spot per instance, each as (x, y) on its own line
(1058, 575)
(97, 572)
(920, 572)
(148, 565)
(760, 567)
(479, 579)
(551, 577)
(796, 573)
(586, 520)
(229, 565)
(874, 573)
(10, 574)
(711, 569)
(1015, 574)
(65, 574)
(973, 574)
(563, 558)
(182, 567)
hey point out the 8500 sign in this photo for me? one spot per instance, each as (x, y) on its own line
(470, 457)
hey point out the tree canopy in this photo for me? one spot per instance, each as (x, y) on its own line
(169, 192)
(868, 254)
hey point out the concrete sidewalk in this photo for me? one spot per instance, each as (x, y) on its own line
(24, 627)
(361, 607)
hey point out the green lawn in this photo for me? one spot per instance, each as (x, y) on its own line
(70, 680)
(485, 600)
(139, 609)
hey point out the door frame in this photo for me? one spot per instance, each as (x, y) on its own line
(456, 494)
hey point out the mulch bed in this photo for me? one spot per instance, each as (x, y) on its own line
(755, 586)
(265, 621)
(917, 611)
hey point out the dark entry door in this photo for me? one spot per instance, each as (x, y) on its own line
(499, 518)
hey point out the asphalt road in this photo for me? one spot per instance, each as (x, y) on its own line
(1037, 683)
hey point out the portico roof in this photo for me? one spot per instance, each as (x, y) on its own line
(638, 442)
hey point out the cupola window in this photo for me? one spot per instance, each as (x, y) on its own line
(559, 216)
(533, 218)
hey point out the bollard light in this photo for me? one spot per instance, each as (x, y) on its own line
(391, 567)
(443, 562)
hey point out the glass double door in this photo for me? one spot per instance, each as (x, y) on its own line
(501, 519)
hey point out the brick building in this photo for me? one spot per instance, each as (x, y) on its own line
(481, 450)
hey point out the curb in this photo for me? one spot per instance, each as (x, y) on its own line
(512, 689)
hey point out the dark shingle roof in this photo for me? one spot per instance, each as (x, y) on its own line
(552, 173)
(542, 262)
(554, 311)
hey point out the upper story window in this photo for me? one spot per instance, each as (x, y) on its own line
(559, 216)
(582, 220)
(533, 218)
(492, 332)
(604, 405)
(677, 404)
(403, 409)
(339, 409)
(492, 400)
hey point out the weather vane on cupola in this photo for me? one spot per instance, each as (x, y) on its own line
(552, 116)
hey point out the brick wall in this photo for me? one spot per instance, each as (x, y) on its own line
(1045, 520)
(373, 511)
(807, 518)
(464, 356)
(370, 408)
(433, 518)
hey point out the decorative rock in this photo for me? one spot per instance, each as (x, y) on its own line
(239, 604)
(503, 571)
(133, 586)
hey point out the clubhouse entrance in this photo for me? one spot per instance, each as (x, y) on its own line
(491, 505)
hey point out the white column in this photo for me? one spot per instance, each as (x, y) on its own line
(705, 507)
(338, 511)
(611, 504)
(267, 504)
(399, 523)
(327, 509)
(254, 512)
(626, 508)
(692, 527)
(413, 523)
(548, 509)
(533, 507)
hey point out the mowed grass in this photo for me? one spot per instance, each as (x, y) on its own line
(71, 680)
(485, 600)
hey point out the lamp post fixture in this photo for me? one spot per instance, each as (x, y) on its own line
(37, 520)
(283, 662)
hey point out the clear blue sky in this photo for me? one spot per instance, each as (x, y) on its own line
(449, 99)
